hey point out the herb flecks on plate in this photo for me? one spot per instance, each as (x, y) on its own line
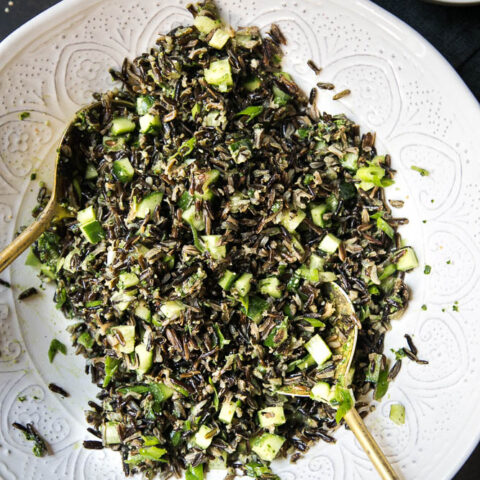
(208, 203)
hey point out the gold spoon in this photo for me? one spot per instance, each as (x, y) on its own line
(349, 319)
(33, 231)
(348, 324)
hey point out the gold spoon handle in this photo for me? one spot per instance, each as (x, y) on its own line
(369, 445)
(28, 236)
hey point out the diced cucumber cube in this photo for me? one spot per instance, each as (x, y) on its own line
(149, 204)
(121, 125)
(213, 247)
(271, 417)
(307, 362)
(194, 218)
(122, 170)
(374, 367)
(227, 411)
(32, 260)
(350, 161)
(291, 220)
(329, 243)
(321, 392)
(145, 358)
(121, 300)
(309, 274)
(219, 39)
(280, 98)
(317, 211)
(149, 123)
(270, 286)
(397, 413)
(215, 118)
(219, 74)
(161, 392)
(111, 433)
(86, 216)
(210, 177)
(144, 103)
(127, 280)
(172, 309)
(227, 280)
(90, 172)
(408, 260)
(252, 84)
(196, 109)
(218, 463)
(112, 144)
(388, 271)
(238, 202)
(326, 277)
(205, 24)
(143, 312)
(127, 334)
(93, 231)
(202, 439)
(317, 262)
(318, 349)
(267, 446)
(86, 340)
(242, 285)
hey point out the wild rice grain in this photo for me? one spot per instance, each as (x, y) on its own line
(411, 345)
(93, 445)
(56, 389)
(325, 86)
(28, 293)
(341, 94)
(314, 67)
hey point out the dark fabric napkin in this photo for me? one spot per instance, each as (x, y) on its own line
(453, 30)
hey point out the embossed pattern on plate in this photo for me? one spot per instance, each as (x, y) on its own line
(401, 88)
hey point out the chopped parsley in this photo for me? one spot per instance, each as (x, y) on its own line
(55, 347)
(421, 171)
(427, 270)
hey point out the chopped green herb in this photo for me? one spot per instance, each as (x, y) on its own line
(399, 354)
(424, 307)
(24, 115)
(382, 384)
(427, 269)
(251, 112)
(421, 171)
(39, 445)
(55, 347)
(397, 413)
(194, 473)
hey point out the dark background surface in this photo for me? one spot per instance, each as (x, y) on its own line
(453, 30)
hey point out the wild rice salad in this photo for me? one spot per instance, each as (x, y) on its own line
(208, 203)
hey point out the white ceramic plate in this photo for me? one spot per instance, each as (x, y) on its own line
(401, 88)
